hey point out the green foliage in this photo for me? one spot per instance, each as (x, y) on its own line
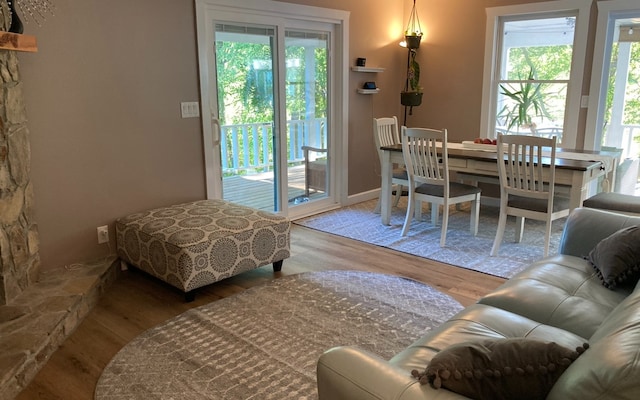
(527, 101)
(413, 72)
(548, 62)
(632, 103)
(631, 112)
(245, 83)
(242, 88)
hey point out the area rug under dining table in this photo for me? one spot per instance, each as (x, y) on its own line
(264, 343)
(360, 222)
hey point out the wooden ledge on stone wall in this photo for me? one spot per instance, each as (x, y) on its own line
(18, 42)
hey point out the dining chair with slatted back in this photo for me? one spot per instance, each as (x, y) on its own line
(527, 190)
(427, 161)
(385, 133)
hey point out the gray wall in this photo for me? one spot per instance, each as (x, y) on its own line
(103, 97)
(103, 100)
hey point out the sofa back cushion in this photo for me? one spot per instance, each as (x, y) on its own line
(561, 291)
(611, 367)
(586, 227)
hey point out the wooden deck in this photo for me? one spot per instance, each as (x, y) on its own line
(257, 190)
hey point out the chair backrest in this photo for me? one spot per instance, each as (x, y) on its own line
(425, 156)
(522, 173)
(385, 132)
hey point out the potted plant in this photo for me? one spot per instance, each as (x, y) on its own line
(527, 102)
(412, 94)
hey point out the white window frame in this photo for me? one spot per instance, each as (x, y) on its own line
(582, 10)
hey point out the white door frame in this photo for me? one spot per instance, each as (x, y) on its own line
(205, 14)
(600, 71)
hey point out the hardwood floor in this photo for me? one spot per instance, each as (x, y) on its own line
(137, 302)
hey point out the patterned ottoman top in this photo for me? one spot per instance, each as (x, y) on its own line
(189, 223)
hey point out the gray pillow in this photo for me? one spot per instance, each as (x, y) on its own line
(616, 258)
(499, 369)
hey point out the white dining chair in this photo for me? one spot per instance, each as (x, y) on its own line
(385, 133)
(527, 190)
(427, 161)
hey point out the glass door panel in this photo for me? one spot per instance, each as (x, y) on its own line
(307, 114)
(245, 82)
(622, 109)
(621, 114)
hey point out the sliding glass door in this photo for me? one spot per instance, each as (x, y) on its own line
(613, 121)
(268, 84)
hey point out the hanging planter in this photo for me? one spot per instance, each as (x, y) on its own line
(410, 99)
(411, 96)
(413, 41)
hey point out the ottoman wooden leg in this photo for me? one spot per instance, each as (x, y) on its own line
(190, 296)
(277, 266)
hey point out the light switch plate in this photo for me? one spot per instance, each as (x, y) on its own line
(190, 109)
(584, 101)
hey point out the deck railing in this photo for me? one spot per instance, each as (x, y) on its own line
(249, 147)
(630, 141)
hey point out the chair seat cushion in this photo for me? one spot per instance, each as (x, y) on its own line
(400, 173)
(456, 189)
(539, 205)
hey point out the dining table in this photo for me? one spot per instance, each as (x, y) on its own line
(574, 169)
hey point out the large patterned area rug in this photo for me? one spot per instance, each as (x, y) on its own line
(462, 249)
(264, 343)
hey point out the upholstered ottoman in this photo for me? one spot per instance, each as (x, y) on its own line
(616, 202)
(194, 244)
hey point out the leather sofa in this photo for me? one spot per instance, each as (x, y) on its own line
(559, 298)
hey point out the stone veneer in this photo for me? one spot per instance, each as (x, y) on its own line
(44, 315)
(19, 257)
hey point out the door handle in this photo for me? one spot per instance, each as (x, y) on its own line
(215, 130)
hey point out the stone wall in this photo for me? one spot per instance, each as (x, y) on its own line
(19, 258)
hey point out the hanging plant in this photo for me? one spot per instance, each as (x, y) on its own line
(412, 94)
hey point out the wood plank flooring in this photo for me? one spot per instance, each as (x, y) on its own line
(137, 302)
(257, 190)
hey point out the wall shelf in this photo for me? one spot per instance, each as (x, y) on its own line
(367, 69)
(18, 42)
(368, 91)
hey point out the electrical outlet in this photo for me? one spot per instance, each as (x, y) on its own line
(103, 234)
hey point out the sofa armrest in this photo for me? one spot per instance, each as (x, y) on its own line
(350, 373)
(586, 227)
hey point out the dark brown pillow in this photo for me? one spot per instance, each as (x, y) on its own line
(517, 368)
(616, 258)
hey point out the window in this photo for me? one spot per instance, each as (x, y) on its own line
(533, 69)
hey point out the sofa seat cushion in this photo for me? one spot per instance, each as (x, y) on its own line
(475, 323)
(561, 291)
(610, 369)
